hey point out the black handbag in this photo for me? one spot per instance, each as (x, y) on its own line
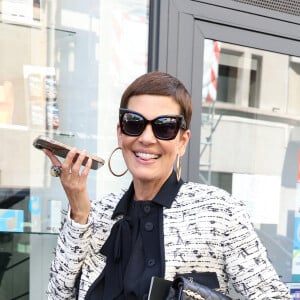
(187, 289)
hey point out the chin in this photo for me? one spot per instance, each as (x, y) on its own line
(143, 176)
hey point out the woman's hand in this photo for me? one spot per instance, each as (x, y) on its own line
(74, 182)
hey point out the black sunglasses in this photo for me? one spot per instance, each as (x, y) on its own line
(164, 127)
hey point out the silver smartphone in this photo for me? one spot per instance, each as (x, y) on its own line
(61, 150)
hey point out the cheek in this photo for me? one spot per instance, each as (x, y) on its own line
(180, 147)
(126, 142)
(171, 148)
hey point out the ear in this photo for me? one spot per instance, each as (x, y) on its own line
(184, 140)
(119, 135)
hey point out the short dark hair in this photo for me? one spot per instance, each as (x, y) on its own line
(162, 84)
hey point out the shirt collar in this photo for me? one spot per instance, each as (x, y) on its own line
(164, 197)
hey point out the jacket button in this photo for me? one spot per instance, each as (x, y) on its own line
(149, 226)
(147, 208)
(151, 262)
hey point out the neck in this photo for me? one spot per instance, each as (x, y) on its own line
(147, 190)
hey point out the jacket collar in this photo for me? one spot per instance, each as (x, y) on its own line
(164, 197)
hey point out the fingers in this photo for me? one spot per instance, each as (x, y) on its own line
(73, 177)
(73, 164)
(55, 161)
(73, 161)
(74, 182)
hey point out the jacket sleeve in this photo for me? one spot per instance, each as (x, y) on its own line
(72, 246)
(247, 262)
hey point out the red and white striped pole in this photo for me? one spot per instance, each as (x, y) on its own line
(210, 70)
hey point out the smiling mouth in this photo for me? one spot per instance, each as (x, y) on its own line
(146, 155)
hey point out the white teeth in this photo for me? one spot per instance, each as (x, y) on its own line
(146, 155)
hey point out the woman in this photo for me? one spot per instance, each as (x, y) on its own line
(110, 248)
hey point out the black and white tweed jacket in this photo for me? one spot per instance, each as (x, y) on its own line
(206, 229)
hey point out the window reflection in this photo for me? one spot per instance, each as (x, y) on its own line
(64, 65)
(250, 140)
(253, 78)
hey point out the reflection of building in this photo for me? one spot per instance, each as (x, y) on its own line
(246, 75)
(67, 66)
(256, 94)
(246, 133)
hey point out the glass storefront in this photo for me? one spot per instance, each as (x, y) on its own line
(250, 141)
(64, 65)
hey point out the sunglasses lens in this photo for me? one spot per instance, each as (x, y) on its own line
(166, 128)
(132, 124)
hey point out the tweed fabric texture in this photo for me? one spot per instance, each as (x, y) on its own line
(205, 230)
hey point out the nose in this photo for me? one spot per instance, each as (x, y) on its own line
(147, 135)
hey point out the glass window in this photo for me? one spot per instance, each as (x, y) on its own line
(250, 141)
(64, 65)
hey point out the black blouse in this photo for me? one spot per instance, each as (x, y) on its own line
(134, 249)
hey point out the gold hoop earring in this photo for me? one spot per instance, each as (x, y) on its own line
(109, 165)
(178, 167)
